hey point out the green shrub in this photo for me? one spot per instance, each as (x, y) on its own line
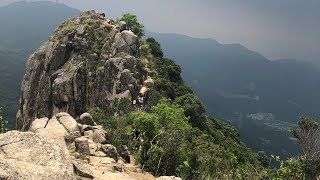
(3, 123)
(133, 24)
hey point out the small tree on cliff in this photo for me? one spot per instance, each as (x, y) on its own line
(307, 134)
(133, 24)
(3, 123)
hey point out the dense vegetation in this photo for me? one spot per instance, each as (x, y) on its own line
(172, 135)
(175, 137)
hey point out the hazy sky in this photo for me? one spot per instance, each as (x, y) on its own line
(274, 28)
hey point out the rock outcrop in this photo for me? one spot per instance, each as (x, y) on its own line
(27, 155)
(88, 62)
(46, 151)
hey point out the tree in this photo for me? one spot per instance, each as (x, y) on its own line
(263, 158)
(192, 106)
(307, 134)
(183, 89)
(163, 132)
(155, 47)
(133, 24)
(3, 123)
(290, 169)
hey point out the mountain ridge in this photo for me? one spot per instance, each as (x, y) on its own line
(220, 75)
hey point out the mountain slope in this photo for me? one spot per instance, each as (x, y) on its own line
(28, 24)
(24, 27)
(238, 85)
(94, 64)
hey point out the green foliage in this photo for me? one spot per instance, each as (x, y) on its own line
(306, 133)
(192, 106)
(3, 123)
(113, 119)
(145, 50)
(133, 24)
(214, 161)
(168, 69)
(148, 123)
(153, 97)
(163, 130)
(307, 166)
(183, 89)
(263, 158)
(175, 136)
(165, 87)
(291, 169)
(155, 47)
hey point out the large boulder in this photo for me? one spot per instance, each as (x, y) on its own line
(82, 169)
(82, 146)
(26, 155)
(54, 129)
(110, 151)
(86, 119)
(127, 42)
(38, 124)
(68, 122)
(99, 136)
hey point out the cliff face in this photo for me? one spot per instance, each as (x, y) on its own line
(88, 62)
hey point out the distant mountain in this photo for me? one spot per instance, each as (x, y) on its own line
(24, 27)
(263, 98)
(28, 24)
(11, 72)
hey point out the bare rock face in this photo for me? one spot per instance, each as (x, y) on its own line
(26, 155)
(87, 62)
(82, 146)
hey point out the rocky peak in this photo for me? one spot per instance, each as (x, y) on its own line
(89, 61)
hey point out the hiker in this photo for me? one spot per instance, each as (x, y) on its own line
(103, 15)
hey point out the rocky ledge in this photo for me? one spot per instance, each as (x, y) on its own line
(62, 148)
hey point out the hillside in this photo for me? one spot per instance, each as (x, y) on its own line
(97, 65)
(99, 100)
(239, 85)
(24, 27)
(12, 67)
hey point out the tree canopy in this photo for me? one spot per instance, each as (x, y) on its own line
(133, 24)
